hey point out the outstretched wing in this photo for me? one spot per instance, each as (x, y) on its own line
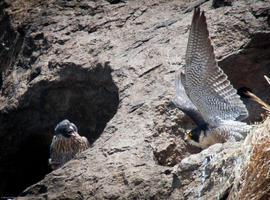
(182, 101)
(206, 84)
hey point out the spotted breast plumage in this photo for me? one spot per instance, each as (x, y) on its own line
(204, 92)
(66, 144)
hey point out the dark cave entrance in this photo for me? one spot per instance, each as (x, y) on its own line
(247, 69)
(87, 97)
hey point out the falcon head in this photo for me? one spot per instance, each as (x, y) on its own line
(65, 128)
(196, 135)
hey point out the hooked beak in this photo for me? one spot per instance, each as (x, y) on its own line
(72, 134)
(71, 131)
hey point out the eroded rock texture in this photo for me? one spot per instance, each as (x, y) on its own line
(109, 67)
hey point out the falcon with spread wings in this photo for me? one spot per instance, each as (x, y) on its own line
(204, 92)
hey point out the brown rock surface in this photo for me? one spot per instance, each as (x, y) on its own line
(252, 179)
(109, 68)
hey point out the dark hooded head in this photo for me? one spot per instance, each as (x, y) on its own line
(195, 133)
(65, 128)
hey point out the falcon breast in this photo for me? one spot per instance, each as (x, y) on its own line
(66, 143)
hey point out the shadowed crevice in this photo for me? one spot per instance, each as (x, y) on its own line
(247, 68)
(87, 97)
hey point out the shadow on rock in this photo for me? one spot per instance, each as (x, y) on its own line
(87, 97)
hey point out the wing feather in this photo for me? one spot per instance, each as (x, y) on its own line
(206, 84)
(183, 102)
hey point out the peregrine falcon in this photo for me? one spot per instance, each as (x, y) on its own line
(66, 144)
(205, 94)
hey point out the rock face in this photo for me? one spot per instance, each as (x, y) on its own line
(252, 178)
(109, 67)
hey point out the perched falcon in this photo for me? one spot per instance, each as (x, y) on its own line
(205, 94)
(66, 144)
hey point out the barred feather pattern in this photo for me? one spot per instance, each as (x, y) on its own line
(205, 82)
(182, 101)
(204, 92)
(64, 149)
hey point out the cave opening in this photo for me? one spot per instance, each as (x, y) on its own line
(246, 69)
(87, 97)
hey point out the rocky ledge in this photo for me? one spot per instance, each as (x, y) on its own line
(109, 67)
